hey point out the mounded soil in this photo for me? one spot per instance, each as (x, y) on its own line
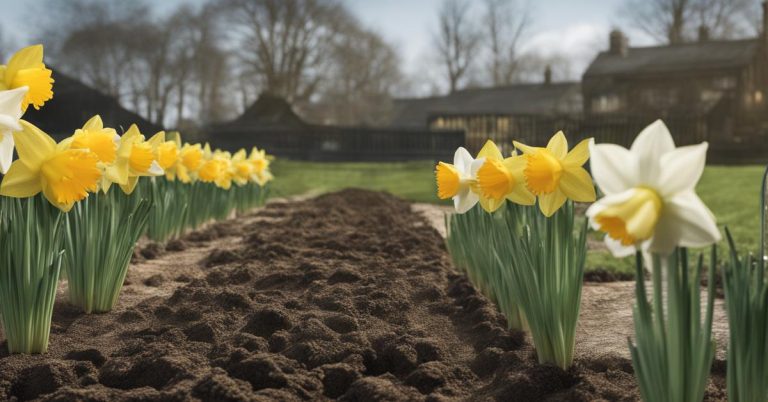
(347, 296)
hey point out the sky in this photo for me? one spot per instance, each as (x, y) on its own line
(577, 29)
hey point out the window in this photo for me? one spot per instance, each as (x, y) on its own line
(606, 103)
(727, 82)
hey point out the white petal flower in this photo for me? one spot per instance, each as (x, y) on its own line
(456, 181)
(650, 201)
(10, 113)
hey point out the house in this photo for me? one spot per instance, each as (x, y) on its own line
(74, 103)
(497, 112)
(722, 84)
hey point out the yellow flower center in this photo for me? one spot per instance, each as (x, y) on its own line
(100, 142)
(70, 174)
(167, 153)
(40, 86)
(259, 165)
(211, 170)
(633, 220)
(141, 157)
(243, 169)
(542, 172)
(191, 158)
(494, 179)
(448, 180)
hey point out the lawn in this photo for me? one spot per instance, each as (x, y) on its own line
(732, 192)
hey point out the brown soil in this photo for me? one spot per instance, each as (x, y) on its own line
(348, 296)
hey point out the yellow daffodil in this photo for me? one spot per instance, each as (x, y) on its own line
(138, 158)
(227, 172)
(190, 160)
(650, 200)
(554, 174)
(244, 170)
(26, 69)
(167, 155)
(261, 162)
(64, 175)
(500, 179)
(10, 113)
(212, 166)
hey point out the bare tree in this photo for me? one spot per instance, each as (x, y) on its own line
(505, 23)
(364, 72)
(675, 21)
(283, 42)
(457, 40)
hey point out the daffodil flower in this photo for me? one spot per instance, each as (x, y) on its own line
(650, 200)
(190, 160)
(554, 174)
(227, 172)
(64, 175)
(26, 69)
(244, 170)
(167, 156)
(10, 113)
(260, 161)
(137, 157)
(212, 167)
(500, 179)
(456, 181)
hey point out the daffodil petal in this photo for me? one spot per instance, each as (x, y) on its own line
(94, 123)
(462, 159)
(654, 141)
(696, 222)
(490, 151)
(614, 168)
(51, 197)
(33, 145)
(11, 105)
(20, 182)
(475, 166)
(521, 195)
(465, 200)
(577, 185)
(491, 205)
(617, 249)
(579, 154)
(682, 169)
(525, 148)
(29, 57)
(155, 169)
(6, 151)
(558, 145)
(551, 202)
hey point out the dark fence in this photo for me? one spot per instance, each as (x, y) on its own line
(323, 143)
(728, 145)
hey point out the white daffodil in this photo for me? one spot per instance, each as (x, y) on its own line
(650, 200)
(10, 113)
(457, 181)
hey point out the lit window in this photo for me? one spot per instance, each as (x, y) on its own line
(758, 96)
(606, 103)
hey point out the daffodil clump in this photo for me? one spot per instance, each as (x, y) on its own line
(84, 202)
(651, 209)
(528, 252)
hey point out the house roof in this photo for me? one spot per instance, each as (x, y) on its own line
(74, 103)
(694, 56)
(518, 99)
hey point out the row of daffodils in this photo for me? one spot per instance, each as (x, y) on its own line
(518, 239)
(82, 204)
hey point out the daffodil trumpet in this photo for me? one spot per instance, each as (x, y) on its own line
(30, 262)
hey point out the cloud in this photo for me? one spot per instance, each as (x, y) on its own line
(579, 43)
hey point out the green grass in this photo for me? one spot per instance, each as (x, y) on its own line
(731, 192)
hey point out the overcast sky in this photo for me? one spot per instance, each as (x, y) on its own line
(576, 29)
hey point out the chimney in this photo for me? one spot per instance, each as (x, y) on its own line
(703, 33)
(548, 74)
(618, 43)
(765, 22)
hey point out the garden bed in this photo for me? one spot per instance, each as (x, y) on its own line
(349, 295)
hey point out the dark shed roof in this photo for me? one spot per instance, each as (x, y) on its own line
(518, 99)
(74, 103)
(708, 55)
